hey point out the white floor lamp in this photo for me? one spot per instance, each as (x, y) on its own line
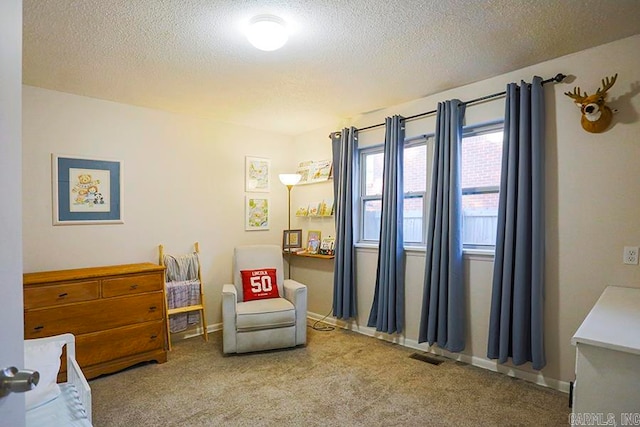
(289, 179)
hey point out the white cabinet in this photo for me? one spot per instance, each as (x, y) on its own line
(608, 359)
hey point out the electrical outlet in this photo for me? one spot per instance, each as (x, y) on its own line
(630, 255)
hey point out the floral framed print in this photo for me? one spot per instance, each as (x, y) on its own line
(257, 175)
(256, 213)
(86, 191)
(291, 239)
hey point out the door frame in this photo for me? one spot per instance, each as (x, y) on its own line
(12, 409)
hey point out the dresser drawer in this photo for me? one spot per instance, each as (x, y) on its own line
(92, 316)
(103, 346)
(63, 293)
(132, 285)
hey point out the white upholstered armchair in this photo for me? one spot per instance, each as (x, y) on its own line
(270, 321)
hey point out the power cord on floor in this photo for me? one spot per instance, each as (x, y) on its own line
(324, 328)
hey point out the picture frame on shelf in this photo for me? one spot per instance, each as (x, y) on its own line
(86, 190)
(291, 240)
(313, 241)
(313, 247)
(327, 246)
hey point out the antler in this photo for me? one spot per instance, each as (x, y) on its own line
(606, 84)
(576, 95)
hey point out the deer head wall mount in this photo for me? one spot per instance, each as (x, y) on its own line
(596, 115)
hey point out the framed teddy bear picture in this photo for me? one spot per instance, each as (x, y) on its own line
(86, 191)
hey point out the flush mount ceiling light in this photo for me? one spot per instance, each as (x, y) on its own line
(267, 32)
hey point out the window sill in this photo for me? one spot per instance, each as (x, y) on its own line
(477, 254)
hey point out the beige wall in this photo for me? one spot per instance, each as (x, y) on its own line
(316, 273)
(183, 182)
(592, 211)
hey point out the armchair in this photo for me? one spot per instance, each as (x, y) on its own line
(262, 324)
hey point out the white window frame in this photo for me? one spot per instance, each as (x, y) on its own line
(475, 130)
(428, 140)
(363, 198)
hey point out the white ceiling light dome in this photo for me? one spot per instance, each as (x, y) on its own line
(267, 32)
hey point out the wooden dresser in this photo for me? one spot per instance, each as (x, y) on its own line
(117, 313)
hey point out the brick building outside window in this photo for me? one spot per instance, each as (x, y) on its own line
(481, 158)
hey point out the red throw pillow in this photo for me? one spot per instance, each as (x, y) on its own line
(259, 284)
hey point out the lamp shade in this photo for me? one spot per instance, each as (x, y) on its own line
(267, 32)
(290, 178)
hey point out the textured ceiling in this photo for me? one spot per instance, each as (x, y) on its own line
(343, 58)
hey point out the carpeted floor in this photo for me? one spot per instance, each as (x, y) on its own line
(340, 378)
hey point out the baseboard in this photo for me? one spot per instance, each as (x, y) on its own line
(480, 362)
(196, 332)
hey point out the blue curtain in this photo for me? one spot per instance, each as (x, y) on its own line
(443, 305)
(387, 310)
(517, 300)
(344, 147)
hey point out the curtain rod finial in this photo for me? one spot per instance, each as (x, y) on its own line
(559, 77)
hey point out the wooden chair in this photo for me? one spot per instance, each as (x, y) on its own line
(197, 307)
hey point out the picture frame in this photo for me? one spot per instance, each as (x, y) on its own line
(327, 246)
(256, 213)
(313, 241)
(257, 175)
(86, 190)
(291, 239)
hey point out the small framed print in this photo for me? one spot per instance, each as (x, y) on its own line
(256, 213)
(86, 191)
(291, 239)
(313, 241)
(257, 175)
(327, 246)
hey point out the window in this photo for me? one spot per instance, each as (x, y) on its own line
(481, 157)
(481, 166)
(415, 184)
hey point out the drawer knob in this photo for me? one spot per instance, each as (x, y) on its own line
(63, 295)
(133, 287)
(153, 337)
(152, 308)
(38, 328)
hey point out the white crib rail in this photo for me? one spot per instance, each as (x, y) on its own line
(75, 377)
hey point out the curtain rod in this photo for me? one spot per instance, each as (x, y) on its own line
(557, 79)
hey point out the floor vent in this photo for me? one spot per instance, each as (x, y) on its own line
(434, 360)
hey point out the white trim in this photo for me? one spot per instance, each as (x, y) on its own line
(415, 249)
(475, 254)
(197, 332)
(366, 247)
(480, 362)
(479, 254)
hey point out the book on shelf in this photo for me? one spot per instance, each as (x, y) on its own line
(294, 250)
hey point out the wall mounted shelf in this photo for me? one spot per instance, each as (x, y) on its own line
(307, 255)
